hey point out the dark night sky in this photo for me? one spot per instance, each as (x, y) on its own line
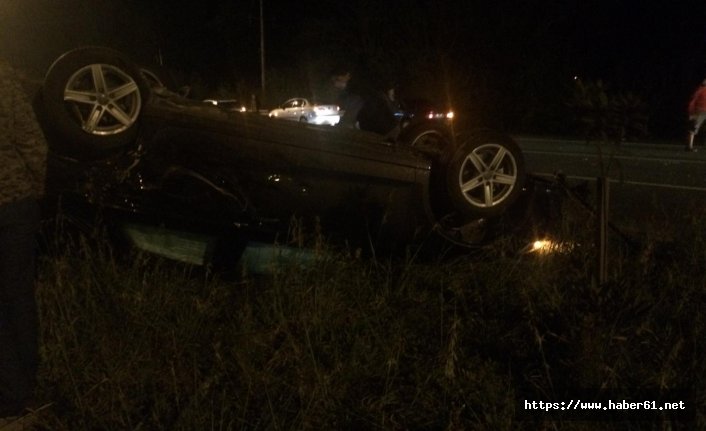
(497, 57)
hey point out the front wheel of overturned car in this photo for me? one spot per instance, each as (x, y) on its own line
(485, 175)
(93, 99)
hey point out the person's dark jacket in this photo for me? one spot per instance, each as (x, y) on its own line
(377, 115)
(351, 104)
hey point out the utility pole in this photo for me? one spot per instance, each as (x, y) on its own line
(262, 50)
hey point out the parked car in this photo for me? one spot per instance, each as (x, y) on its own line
(300, 109)
(156, 157)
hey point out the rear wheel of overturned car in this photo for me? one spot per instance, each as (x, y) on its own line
(93, 99)
(485, 175)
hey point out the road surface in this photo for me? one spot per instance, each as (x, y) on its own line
(658, 183)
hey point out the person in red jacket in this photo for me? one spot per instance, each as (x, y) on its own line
(697, 113)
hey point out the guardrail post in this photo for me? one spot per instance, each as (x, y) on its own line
(603, 190)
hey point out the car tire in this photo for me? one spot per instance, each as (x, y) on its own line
(303, 120)
(159, 77)
(152, 78)
(430, 139)
(485, 175)
(93, 98)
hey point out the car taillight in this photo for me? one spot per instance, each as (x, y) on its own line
(439, 115)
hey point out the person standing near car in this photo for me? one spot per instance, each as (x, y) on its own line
(23, 160)
(378, 113)
(372, 110)
(697, 113)
(348, 101)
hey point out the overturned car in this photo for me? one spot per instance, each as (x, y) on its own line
(147, 155)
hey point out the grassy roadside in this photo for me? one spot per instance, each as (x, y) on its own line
(142, 343)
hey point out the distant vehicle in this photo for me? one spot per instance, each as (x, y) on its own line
(231, 105)
(300, 109)
(422, 109)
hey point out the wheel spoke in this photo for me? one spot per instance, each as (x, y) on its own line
(91, 123)
(119, 114)
(79, 96)
(98, 78)
(123, 90)
(477, 162)
(488, 194)
(506, 179)
(472, 184)
(499, 156)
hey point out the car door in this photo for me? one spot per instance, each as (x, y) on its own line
(293, 108)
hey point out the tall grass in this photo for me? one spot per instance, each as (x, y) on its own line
(139, 343)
